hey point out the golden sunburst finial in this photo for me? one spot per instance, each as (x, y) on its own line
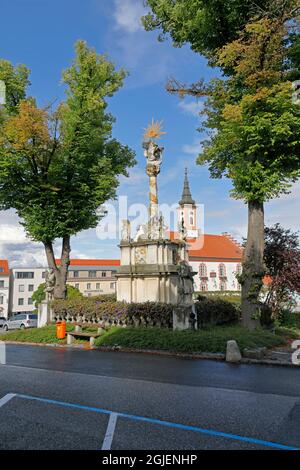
(154, 130)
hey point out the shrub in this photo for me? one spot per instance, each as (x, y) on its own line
(39, 295)
(212, 312)
(97, 310)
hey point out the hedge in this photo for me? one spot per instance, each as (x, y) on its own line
(95, 310)
(210, 312)
(214, 312)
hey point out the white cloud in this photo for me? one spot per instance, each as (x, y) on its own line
(127, 15)
(193, 149)
(191, 107)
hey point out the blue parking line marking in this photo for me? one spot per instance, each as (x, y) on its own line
(183, 427)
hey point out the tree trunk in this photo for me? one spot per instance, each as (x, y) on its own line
(61, 272)
(253, 265)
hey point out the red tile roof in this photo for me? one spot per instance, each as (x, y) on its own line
(214, 248)
(4, 270)
(92, 262)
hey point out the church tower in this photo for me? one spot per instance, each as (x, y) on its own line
(187, 210)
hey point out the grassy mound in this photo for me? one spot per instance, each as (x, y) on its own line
(209, 340)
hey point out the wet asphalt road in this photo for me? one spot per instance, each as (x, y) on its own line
(244, 402)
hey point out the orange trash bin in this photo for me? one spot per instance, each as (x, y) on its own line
(61, 329)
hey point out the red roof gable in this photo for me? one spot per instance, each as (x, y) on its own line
(4, 270)
(92, 262)
(215, 247)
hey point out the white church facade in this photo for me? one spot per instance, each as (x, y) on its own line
(216, 259)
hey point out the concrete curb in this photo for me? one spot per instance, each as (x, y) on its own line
(196, 355)
(48, 345)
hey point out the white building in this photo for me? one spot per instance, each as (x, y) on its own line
(90, 277)
(4, 288)
(23, 283)
(217, 259)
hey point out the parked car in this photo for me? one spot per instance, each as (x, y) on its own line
(21, 321)
(2, 321)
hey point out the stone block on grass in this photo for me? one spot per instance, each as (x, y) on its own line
(233, 353)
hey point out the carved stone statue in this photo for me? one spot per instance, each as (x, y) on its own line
(50, 284)
(126, 231)
(141, 234)
(182, 231)
(153, 153)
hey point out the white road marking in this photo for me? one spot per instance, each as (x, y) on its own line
(110, 431)
(6, 399)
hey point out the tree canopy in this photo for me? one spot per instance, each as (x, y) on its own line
(206, 25)
(58, 166)
(255, 121)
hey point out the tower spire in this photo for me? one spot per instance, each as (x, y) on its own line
(186, 197)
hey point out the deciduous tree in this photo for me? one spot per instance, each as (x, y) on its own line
(58, 167)
(254, 122)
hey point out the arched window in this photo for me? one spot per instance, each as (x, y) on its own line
(202, 270)
(191, 218)
(222, 270)
(223, 286)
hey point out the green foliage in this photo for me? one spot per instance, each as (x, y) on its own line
(149, 313)
(57, 167)
(229, 296)
(16, 80)
(213, 312)
(257, 142)
(39, 295)
(212, 340)
(206, 25)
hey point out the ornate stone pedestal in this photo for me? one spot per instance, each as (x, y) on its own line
(45, 314)
(154, 270)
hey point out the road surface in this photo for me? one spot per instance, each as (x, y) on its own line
(54, 398)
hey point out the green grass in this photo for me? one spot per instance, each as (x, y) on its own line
(47, 334)
(209, 340)
(206, 340)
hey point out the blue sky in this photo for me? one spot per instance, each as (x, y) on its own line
(42, 33)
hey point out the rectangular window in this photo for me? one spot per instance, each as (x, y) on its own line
(21, 288)
(1, 283)
(44, 274)
(112, 285)
(31, 288)
(88, 286)
(103, 274)
(1, 300)
(92, 274)
(24, 275)
(30, 302)
(77, 286)
(98, 285)
(20, 301)
(76, 274)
